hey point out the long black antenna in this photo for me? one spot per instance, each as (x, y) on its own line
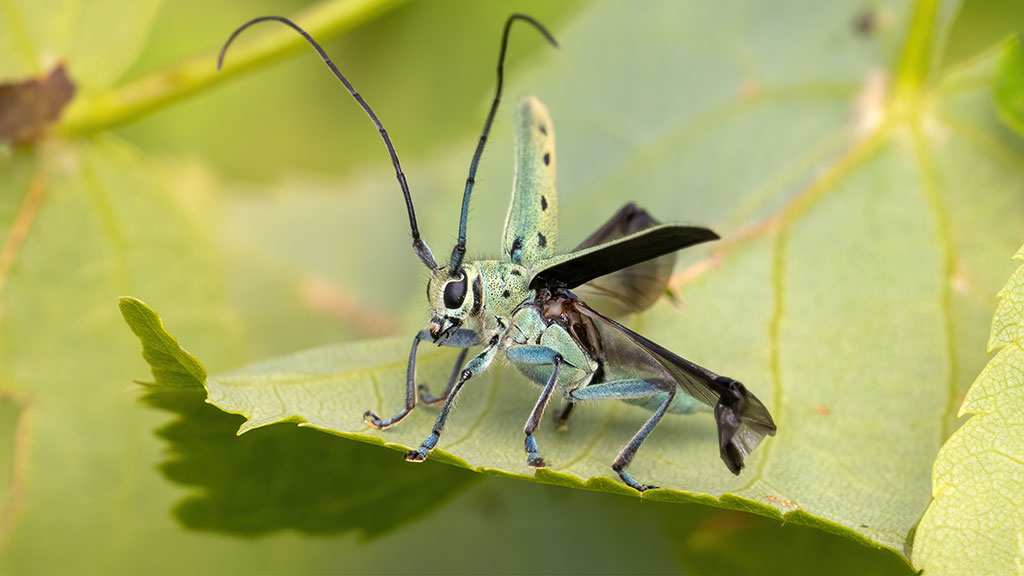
(460, 248)
(418, 245)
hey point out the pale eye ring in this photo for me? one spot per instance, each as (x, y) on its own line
(455, 293)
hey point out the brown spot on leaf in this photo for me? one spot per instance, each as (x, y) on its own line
(865, 23)
(822, 409)
(777, 500)
(29, 107)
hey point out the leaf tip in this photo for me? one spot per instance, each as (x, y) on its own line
(171, 365)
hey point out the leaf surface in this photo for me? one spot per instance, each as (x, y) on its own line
(975, 524)
(98, 39)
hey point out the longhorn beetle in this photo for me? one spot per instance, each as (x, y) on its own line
(529, 304)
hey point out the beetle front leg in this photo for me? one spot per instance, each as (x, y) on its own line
(372, 419)
(473, 368)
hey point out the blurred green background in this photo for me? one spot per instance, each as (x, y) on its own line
(264, 220)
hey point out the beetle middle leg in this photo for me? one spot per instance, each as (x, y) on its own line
(626, 390)
(429, 399)
(562, 373)
(533, 459)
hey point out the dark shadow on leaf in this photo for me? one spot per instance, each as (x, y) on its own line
(286, 477)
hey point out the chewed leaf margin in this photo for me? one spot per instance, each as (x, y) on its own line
(173, 366)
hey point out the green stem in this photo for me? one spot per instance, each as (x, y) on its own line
(140, 97)
(915, 61)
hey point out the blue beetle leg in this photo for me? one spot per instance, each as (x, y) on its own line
(562, 418)
(372, 419)
(478, 364)
(629, 450)
(533, 459)
(429, 399)
(625, 390)
(616, 390)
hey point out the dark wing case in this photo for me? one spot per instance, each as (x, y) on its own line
(576, 268)
(743, 421)
(632, 289)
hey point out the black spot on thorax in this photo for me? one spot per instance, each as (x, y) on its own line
(543, 203)
(478, 295)
(516, 252)
(547, 158)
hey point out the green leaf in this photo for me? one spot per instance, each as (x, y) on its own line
(851, 284)
(303, 481)
(172, 366)
(145, 94)
(975, 524)
(99, 39)
(1009, 90)
(81, 223)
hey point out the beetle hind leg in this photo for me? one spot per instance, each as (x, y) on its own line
(626, 390)
(629, 450)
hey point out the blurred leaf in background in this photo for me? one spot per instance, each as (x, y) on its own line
(241, 214)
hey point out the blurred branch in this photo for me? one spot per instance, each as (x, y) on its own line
(140, 97)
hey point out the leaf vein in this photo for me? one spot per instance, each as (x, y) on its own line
(940, 212)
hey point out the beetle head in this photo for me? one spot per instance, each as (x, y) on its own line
(454, 299)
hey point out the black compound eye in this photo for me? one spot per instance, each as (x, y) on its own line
(455, 293)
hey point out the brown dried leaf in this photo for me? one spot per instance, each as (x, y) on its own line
(29, 107)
